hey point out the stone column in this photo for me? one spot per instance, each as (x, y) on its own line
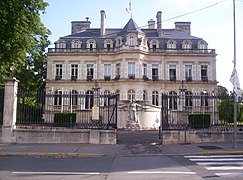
(9, 110)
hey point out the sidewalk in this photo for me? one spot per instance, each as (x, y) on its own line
(129, 144)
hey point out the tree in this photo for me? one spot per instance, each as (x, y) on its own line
(23, 39)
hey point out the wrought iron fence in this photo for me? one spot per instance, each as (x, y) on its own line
(70, 110)
(1, 105)
(197, 111)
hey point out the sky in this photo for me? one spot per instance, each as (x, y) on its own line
(211, 20)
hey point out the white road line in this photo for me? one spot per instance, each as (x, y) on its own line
(219, 163)
(215, 156)
(223, 168)
(161, 172)
(229, 174)
(58, 173)
(222, 159)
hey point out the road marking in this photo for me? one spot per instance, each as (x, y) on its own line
(58, 173)
(223, 159)
(215, 156)
(222, 168)
(161, 172)
(229, 174)
(218, 163)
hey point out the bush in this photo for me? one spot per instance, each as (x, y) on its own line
(65, 119)
(199, 120)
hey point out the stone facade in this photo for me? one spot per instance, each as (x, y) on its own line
(138, 64)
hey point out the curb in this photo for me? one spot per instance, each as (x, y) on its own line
(45, 154)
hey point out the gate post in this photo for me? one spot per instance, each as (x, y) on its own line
(9, 110)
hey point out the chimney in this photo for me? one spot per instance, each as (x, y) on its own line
(102, 22)
(78, 26)
(183, 26)
(151, 24)
(159, 23)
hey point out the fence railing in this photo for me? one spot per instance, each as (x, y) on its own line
(204, 112)
(67, 110)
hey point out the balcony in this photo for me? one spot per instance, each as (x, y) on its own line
(145, 78)
(117, 77)
(173, 78)
(204, 78)
(74, 78)
(155, 78)
(107, 78)
(131, 76)
(58, 77)
(89, 78)
(188, 78)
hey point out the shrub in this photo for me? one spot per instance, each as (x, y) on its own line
(199, 120)
(65, 119)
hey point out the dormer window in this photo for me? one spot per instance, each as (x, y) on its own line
(119, 41)
(108, 44)
(61, 44)
(91, 44)
(75, 44)
(186, 44)
(202, 45)
(171, 44)
(131, 40)
(154, 44)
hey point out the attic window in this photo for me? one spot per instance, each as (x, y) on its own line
(76, 44)
(186, 45)
(202, 45)
(131, 41)
(171, 44)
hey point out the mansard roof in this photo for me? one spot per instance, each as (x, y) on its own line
(131, 27)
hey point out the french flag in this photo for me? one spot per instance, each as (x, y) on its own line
(128, 8)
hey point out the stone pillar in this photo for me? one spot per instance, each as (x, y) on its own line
(9, 110)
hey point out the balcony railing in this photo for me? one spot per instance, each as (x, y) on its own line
(158, 50)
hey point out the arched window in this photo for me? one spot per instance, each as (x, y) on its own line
(188, 102)
(204, 98)
(131, 94)
(154, 44)
(145, 95)
(171, 44)
(131, 40)
(89, 100)
(61, 44)
(119, 41)
(172, 100)
(155, 98)
(91, 44)
(106, 98)
(108, 44)
(58, 98)
(118, 94)
(75, 44)
(186, 44)
(202, 45)
(74, 98)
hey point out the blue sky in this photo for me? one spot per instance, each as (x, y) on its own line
(213, 24)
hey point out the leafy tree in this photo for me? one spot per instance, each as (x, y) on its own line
(23, 39)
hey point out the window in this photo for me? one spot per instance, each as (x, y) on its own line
(186, 45)
(144, 70)
(188, 101)
(107, 70)
(58, 71)
(61, 44)
(154, 46)
(131, 69)
(204, 72)
(172, 72)
(89, 100)
(108, 44)
(202, 45)
(74, 98)
(58, 98)
(75, 44)
(155, 71)
(171, 44)
(145, 95)
(74, 71)
(91, 45)
(106, 98)
(118, 66)
(131, 95)
(155, 98)
(172, 100)
(90, 71)
(188, 72)
(118, 94)
(131, 41)
(204, 98)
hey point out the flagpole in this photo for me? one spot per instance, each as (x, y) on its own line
(235, 96)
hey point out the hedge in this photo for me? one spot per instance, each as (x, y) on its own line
(199, 120)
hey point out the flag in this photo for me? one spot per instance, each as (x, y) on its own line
(236, 84)
(128, 8)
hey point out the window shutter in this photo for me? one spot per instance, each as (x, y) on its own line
(69, 71)
(82, 100)
(102, 69)
(85, 71)
(122, 70)
(79, 71)
(95, 71)
(53, 71)
(64, 71)
(125, 66)
(199, 72)
(137, 74)
(167, 72)
(160, 71)
(194, 72)
(149, 66)
(210, 72)
(113, 71)
(138, 95)
(183, 72)
(178, 76)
